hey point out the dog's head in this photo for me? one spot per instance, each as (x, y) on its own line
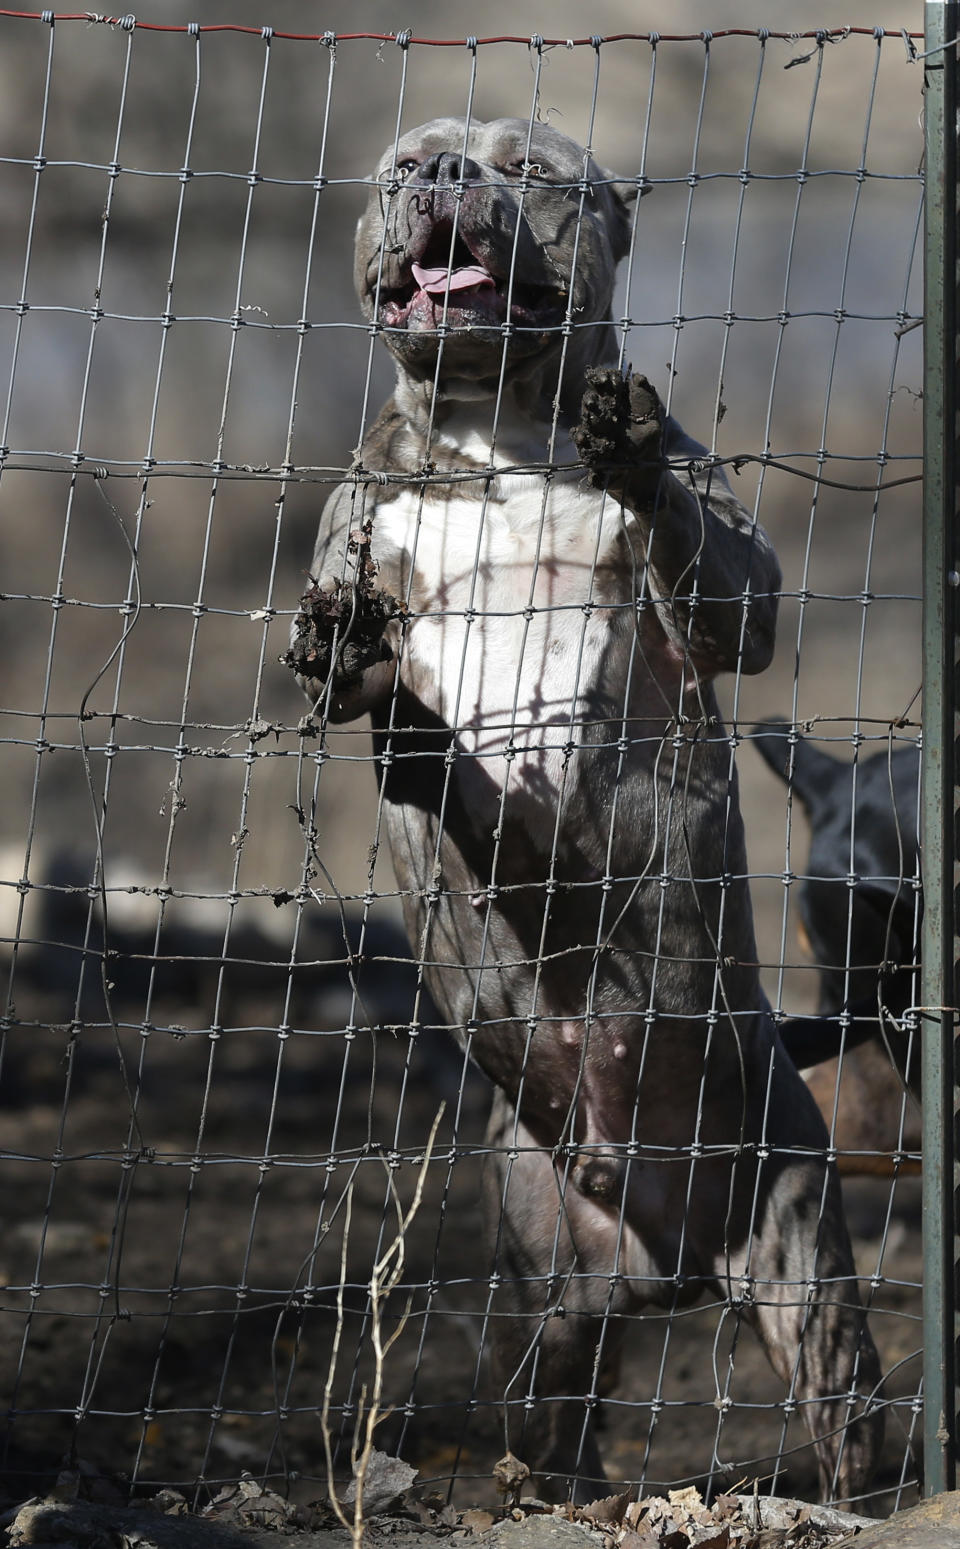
(467, 231)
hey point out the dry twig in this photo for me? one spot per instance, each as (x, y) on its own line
(385, 1277)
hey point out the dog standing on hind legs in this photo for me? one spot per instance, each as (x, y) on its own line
(531, 597)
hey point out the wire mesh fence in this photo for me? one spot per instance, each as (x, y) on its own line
(245, 1132)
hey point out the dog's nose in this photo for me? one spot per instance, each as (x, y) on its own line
(448, 167)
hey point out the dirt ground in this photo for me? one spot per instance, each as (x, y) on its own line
(171, 1297)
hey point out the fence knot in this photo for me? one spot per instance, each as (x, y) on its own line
(471, 43)
(127, 22)
(193, 29)
(266, 34)
(47, 16)
(536, 42)
(763, 34)
(596, 40)
(653, 38)
(403, 37)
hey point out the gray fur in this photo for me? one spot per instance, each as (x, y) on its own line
(563, 811)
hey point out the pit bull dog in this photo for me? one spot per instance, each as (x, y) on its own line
(530, 583)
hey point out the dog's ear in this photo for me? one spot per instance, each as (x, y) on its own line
(624, 193)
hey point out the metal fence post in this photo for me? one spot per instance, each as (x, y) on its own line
(941, 752)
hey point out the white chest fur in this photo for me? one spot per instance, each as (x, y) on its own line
(513, 617)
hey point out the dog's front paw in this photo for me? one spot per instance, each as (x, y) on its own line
(620, 434)
(339, 629)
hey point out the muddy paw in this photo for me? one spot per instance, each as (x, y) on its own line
(339, 628)
(620, 434)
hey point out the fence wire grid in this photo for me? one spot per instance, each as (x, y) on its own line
(223, 1075)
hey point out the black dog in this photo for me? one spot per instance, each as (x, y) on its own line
(859, 900)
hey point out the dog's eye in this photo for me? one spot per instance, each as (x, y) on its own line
(523, 168)
(400, 173)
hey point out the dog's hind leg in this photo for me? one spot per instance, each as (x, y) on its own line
(551, 1344)
(800, 1291)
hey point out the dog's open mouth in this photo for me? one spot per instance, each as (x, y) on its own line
(449, 282)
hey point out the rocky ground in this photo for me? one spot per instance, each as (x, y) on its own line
(246, 1516)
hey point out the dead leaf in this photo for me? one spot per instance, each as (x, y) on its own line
(610, 1508)
(384, 1480)
(477, 1521)
(689, 1498)
(250, 1505)
(712, 1538)
(419, 1511)
(509, 1475)
(725, 1506)
(635, 1511)
(647, 1538)
(659, 1514)
(170, 1502)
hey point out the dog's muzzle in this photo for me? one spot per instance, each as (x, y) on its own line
(448, 275)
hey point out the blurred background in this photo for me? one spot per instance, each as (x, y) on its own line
(191, 336)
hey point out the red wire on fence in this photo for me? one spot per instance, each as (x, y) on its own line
(130, 22)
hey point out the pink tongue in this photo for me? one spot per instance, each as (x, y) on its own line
(437, 281)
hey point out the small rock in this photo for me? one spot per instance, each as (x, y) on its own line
(774, 1511)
